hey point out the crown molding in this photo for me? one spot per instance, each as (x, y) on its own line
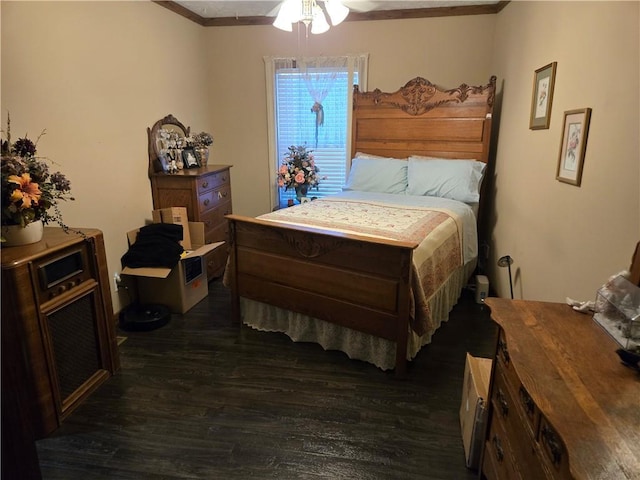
(353, 16)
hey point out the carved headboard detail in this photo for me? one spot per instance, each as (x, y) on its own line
(424, 119)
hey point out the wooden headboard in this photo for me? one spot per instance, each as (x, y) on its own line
(423, 119)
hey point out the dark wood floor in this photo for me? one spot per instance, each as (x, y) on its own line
(202, 398)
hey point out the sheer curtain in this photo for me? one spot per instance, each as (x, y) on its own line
(303, 84)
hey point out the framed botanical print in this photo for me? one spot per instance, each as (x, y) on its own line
(575, 130)
(544, 80)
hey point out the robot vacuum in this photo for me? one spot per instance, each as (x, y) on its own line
(144, 317)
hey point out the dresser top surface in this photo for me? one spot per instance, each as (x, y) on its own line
(194, 172)
(567, 363)
(54, 239)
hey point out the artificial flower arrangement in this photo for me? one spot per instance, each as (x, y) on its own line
(298, 170)
(172, 140)
(202, 139)
(29, 191)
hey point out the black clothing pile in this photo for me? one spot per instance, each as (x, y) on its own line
(157, 245)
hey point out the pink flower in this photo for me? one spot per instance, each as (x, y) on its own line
(299, 177)
(283, 169)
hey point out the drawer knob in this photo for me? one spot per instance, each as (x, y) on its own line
(552, 441)
(206, 201)
(527, 401)
(504, 405)
(205, 184)
(498, 447)
(502, 347)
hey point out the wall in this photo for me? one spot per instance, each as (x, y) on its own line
(567, 240)
(447, 51)
(95, 75)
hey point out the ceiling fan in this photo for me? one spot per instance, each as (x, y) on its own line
(312, 13)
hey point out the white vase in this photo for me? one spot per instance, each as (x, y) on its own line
(15, 235)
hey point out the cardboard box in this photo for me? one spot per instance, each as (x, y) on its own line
(177, 215)
(473, 411)
(181, 287)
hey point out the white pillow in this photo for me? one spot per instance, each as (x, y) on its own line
(377, 174)
(455, 179)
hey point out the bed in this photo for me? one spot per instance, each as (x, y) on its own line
(374, 271)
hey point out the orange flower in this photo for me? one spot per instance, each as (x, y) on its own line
(27, 191)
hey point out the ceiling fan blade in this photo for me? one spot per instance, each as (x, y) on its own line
(354, 5)
(360, 5)
(274, 11)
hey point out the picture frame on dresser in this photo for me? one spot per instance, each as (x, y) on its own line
(575, 130)
(164, 162)
(189, 158)
(544, 80)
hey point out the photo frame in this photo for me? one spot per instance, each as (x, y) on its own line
(189, 158)
(163, 161)
(575, 130)
(544, 80)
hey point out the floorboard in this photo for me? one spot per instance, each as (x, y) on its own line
(203, 398)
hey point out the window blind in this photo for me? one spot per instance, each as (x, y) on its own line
(296, 85)
(297, 125)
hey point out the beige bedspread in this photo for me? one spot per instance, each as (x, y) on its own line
(437, 232)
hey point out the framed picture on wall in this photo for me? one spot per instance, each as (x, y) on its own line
(544, 80)
(575, 130)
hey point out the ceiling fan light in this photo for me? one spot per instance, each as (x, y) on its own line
(319, 23)
(288, 14)
(336, 10)
(283, 24)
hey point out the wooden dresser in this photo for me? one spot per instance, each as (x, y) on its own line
(206, 193)
(562, 406)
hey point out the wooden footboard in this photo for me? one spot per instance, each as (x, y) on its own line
(354, 281)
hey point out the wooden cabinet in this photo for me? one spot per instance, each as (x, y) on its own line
(562, 406)
(206, 193)
(57, 327)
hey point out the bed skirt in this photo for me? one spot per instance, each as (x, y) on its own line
(357, 345)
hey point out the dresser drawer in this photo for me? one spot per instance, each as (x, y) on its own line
(212, 181)
(519, 398)
(217, 234)
(214, 198)
(521, 437)
(503, 359)
(497, 463)
(216, 261)
(554, 451)
(215, 218)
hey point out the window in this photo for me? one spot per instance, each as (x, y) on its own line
(310, 105)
